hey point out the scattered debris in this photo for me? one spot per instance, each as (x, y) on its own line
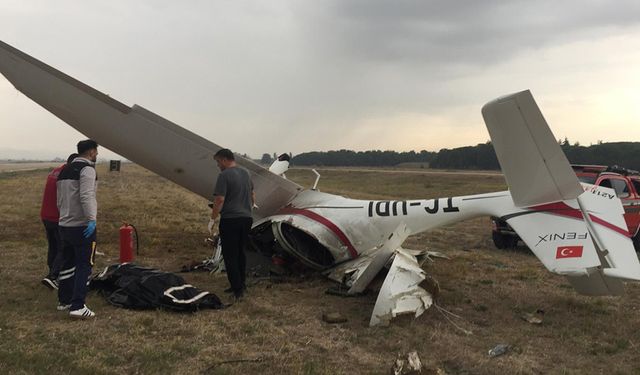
(534, 317)
(422, 256)
(341, 291)
(449, 315)
(499, 350)
(407, 365)
(333, 317)
(196, 266)
(400, 292)
(212, 264)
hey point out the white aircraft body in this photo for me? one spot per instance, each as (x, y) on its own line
(352, 240)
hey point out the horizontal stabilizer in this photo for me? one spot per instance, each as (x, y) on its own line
(596, 284)
(609, 230)
(621, 274)
(585, 239)
(558, 236)
(536, 169)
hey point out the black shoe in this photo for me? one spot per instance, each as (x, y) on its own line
(50, 283)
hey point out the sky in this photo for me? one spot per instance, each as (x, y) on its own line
(295, 76)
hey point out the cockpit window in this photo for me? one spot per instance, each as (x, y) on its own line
(636, 184)
(620, 186)
(587, 179)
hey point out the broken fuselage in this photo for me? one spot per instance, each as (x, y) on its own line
(323, 230)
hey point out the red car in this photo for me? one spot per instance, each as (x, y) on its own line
(625, 182)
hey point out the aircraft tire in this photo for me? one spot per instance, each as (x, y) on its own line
(503, 241)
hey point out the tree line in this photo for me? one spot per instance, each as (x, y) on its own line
(481, 156)
(373, 158)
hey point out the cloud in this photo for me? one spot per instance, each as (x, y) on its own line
(264, 76)
(464, 32)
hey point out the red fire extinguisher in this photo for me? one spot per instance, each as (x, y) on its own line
(127, 232)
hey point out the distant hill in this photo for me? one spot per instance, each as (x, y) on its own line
(16, 154)
(624, 154)
(481, 156)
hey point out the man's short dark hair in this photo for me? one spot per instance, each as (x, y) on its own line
(224, 153)
(86, 145)
(71, 157)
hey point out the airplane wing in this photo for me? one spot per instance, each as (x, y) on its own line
(136, 133)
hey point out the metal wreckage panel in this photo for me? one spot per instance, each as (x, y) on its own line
(366, 266)
(378, 260)
(400, 292)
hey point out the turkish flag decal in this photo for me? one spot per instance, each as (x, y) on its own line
(569, 252)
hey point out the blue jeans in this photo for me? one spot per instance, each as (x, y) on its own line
(77, 263)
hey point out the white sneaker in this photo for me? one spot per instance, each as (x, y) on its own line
(83, 313)
(62, 307)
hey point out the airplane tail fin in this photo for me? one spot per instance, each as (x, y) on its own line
(536, 169)
(577, 233)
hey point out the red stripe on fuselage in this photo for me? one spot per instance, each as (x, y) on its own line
(562, 209)
(325, 222)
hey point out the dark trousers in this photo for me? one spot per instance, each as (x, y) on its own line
(77, 253)
(234, 234)
(54, 253)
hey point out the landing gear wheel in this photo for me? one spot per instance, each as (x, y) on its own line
(503, 241)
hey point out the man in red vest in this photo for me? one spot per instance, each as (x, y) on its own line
(50, 215)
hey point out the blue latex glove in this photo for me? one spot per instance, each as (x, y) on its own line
(91, 227)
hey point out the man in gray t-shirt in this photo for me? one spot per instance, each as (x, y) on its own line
(233, 200)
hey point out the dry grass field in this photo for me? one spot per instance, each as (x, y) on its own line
(14, 167)
(278, 328)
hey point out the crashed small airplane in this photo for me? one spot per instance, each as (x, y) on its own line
(352, 240)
